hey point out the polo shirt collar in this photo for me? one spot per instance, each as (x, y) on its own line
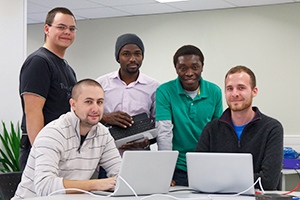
(203, 88)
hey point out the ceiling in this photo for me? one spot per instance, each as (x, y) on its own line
(93, 9)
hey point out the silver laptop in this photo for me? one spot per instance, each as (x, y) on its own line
(220, 172)
(147, 172)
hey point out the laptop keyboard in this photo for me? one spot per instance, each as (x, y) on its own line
(141, 123)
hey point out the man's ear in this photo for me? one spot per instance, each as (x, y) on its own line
(254, 91)
(46, 29)
(73, 104)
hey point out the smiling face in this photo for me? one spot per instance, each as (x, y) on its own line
(239, 92)
(189, 69)
(88, 105)
(130, 59)
(60, 39)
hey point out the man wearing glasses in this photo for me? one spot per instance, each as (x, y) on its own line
(46, 79)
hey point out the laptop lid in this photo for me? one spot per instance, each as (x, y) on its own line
(141, 129)
(147, 172)
(220, 172)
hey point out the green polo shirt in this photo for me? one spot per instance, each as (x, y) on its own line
(189, 116)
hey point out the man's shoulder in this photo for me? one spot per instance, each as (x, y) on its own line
(167, 85)
(62, 124)
(106, 77)
(210, 86)
(149, 80)
(42, 56)
(267, 118)
(42, 53)
(213, 123)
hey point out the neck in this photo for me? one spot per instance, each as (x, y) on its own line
(128, 77)
(242, 117)
(60, 52)
(84, 130)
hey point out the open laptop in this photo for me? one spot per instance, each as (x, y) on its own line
(147, 172)
(141, 129)
(220, 172)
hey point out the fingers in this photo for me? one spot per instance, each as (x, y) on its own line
(118, 118)
(173, 183)
(135, 145)
(109, 183)
(124, 119)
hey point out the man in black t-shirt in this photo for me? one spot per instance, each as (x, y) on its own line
(46, 79)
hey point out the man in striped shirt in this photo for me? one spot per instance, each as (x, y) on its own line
(67, 151)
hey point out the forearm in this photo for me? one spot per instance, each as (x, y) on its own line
(34, 105)
(90, 185)
(165, 134)
(34, 123)
(87, 185)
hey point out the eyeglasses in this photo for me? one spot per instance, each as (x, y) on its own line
(63, 27)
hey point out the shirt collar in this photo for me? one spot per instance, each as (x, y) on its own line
(141, 78)
(76, 122)
(203, 91)
(226, 116)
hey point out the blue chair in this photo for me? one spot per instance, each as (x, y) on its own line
(8, 184)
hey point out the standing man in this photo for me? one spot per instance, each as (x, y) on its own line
(244, 129)
(184, 106)
(46, 79)
(127, 91)
(67, 151)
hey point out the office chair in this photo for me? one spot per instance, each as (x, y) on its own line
(8, 184)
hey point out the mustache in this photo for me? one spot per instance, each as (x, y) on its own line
(133, 63)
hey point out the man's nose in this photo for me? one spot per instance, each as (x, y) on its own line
(235, 93)
(67, 31)
(94, 107)
(132, 58)
(189, 72)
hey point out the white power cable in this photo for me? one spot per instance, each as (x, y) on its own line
(233, 195)
(162, 195)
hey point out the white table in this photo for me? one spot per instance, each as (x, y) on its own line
(179, 194)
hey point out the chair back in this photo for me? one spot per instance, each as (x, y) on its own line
(8, 184)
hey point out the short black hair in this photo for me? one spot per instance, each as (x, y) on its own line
(188, 50)
(52, 13)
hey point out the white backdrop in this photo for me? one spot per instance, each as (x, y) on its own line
(12, 54)
(266, 39)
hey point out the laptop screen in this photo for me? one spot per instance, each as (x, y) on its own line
(220, 172)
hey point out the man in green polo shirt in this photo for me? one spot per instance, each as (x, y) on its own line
(184, 106)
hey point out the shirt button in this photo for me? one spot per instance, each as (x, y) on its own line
(192, 104)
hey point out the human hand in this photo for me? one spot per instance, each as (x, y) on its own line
(105, 183)
(173, 183)
(118, 118)
(136, 145)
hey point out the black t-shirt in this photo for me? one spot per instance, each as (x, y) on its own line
(47, 75)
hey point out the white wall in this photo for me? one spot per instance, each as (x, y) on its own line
(12, 52)
(266, 39)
